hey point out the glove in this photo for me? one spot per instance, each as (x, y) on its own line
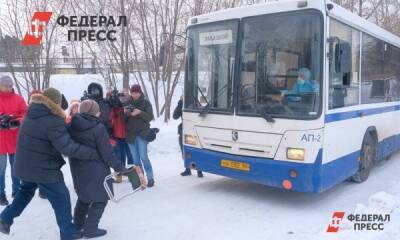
(126, 171)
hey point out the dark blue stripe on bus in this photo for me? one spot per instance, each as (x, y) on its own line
(311, 177)
(335, 117)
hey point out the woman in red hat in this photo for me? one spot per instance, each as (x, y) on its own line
(137, 128)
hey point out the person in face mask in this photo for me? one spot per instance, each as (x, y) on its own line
(304, 83)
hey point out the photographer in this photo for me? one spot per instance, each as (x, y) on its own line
(95, 92)
(138, 115)
(12, 110)
(121, 148)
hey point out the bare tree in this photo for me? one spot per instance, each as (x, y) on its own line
(36, 61)
(385, 13)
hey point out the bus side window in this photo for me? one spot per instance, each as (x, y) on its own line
(344, 65)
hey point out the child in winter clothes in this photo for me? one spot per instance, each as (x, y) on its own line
(88, 176)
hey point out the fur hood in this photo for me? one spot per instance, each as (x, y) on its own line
(53, 107)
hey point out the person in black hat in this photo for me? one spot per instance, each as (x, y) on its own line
(42, 140)
(178, 115)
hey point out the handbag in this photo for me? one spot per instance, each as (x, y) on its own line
(151, 134)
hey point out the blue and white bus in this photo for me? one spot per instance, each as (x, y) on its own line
(295, 94)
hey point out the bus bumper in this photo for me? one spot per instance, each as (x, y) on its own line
(261, 170)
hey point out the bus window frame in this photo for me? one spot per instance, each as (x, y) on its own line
(362, 32)
(231, 110)
(322, 66)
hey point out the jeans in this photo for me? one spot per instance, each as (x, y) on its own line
(122, 151)
(3, 167)
(140, 157)
(56, 193)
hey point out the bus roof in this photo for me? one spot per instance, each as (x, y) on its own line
(337, 12)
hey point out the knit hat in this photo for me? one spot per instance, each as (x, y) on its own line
(89, 107)
(53, 94)
(6, 81)
(136, 89)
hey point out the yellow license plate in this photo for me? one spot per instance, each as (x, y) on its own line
(235, 165)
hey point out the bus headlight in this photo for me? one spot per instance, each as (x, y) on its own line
(190, 140)
(295, 154)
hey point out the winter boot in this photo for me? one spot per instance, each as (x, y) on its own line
(200, 174)
(150, 183)
(95, 212)
(3, 201)
(80, 213)
(96, 233)
(187, 172)
(78, 235)
(41, 195)
(4, 227)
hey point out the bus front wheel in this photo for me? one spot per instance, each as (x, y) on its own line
(367, 158)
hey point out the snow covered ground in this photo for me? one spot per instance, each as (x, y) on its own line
(221, 208)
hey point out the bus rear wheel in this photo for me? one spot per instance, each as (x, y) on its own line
(367, 158)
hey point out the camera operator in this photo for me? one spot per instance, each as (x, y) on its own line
(12, 110)
(95, 92)
(121, 148)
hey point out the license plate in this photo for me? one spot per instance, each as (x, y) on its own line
(235, 165)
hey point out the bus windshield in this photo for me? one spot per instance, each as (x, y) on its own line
(280, 73)
(210, 66)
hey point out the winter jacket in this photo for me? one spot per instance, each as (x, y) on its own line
(139, 125)
(118, 123)
(10, 104)
(178, 114)
(105, 107)
(88, 176)
(42, 138)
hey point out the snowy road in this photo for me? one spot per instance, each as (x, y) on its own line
(221, 208)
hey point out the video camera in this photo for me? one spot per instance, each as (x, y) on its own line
(8, 122)
(130, 108)
(115, 98)
(87, 96)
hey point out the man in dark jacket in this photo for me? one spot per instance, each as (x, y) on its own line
(177, 115)
(137, 128)
(96, 93)
(42, 139)
(88, 176)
